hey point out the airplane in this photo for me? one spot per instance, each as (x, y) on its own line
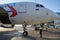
(25, 13)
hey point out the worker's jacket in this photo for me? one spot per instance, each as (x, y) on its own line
(40, 28)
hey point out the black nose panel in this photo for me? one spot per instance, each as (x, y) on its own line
(4, 16)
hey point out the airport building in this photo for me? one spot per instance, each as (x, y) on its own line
(57, 22)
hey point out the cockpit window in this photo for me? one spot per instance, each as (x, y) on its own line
(39, 5)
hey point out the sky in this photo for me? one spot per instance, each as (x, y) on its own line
(53, 5)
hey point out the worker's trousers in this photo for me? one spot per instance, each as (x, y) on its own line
(40, 33)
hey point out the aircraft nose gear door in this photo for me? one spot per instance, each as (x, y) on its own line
(4, 16)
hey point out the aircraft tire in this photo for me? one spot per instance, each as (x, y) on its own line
(25, 33)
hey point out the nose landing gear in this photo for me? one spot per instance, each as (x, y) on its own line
(25, 33)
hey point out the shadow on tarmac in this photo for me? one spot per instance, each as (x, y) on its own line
(9, 37)
(50, 39)
(30, 37)
(5, 37)
(58, 33)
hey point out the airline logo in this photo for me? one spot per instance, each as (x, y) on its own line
(14, 12)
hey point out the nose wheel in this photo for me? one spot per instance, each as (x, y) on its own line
(25, 33)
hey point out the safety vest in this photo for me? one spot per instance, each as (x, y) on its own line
(40, 28)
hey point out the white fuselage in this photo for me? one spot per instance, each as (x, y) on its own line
(31, 14)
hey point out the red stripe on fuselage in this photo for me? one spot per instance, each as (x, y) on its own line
(14, 12)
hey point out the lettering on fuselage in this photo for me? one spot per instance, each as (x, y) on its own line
(22, 12)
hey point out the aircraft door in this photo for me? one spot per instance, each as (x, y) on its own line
(23, 8)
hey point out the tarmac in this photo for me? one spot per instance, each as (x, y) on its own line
(16, 34)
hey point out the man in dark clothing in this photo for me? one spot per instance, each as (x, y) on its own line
(41, 29)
